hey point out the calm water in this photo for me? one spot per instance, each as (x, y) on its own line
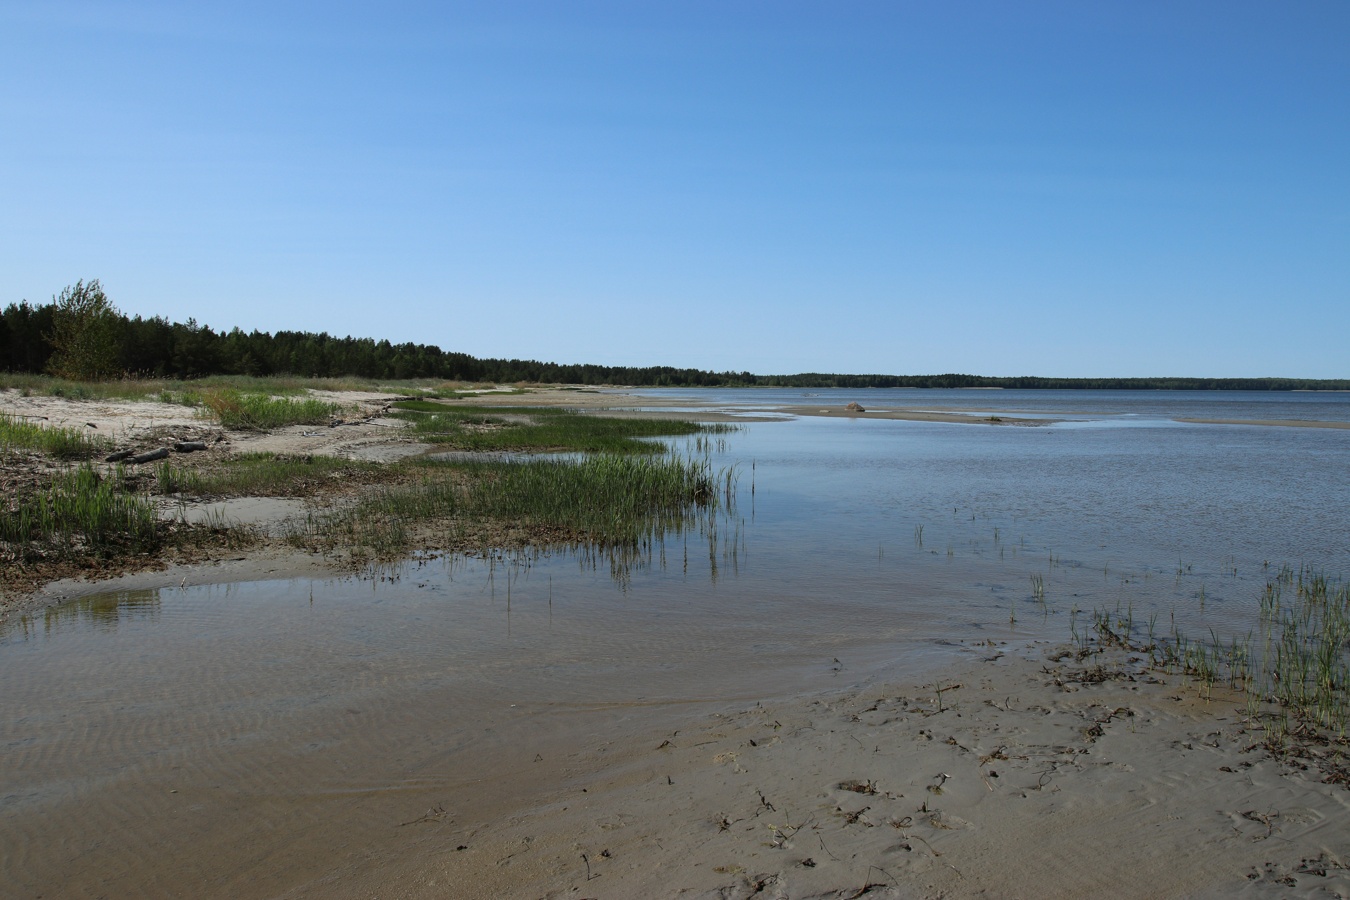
(290, 727)
(1097, 405)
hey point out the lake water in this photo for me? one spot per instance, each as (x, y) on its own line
(257, 737)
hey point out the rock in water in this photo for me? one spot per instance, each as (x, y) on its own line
(855, 406)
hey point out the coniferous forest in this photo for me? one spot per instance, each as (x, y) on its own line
(32, 338)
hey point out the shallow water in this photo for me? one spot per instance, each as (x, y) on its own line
(1106, 406)
(255, 738)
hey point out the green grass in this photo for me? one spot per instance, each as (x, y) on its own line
(81, 509)
(1305, 646)
(1295, 672)
(47, 386)
(429, 406)
(238, 410)
(607, 501)
(257, 474)
(488, 429)
(18, 433)
(609, 498)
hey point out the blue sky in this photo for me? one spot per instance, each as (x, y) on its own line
(1070, 189)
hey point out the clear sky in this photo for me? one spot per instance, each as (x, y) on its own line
(1070, 189)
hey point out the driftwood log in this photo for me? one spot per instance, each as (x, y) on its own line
(189, 446)
(153, 455)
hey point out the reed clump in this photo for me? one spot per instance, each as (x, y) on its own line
(19, 433)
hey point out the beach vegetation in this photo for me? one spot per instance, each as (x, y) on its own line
(605, 502)
(256, 411)
(259, 475)
(80, 510)
(498, 429)
(1294, 669)
(21, 433)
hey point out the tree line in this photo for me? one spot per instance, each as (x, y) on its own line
(80, 334)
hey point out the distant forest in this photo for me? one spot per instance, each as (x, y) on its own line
(156, 347)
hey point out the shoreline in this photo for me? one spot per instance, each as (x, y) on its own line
(374, 439)
(367, 437)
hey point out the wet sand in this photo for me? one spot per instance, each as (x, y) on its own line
(1028, 778)
(1012, 771)
(1270, 423)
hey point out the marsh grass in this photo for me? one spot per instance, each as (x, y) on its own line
(386, 521)
(609, 498)
(496, 429)
(1305, 646)
(255, 411)
(257, 474)
(612, 502)
(81, 509)
(1295, 672)
(18, 433)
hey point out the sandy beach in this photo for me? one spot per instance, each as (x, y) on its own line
(1032, 775)
(1015, 768)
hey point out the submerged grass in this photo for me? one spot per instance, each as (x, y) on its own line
(1295, 673)
(81, 509)
(18, 433)
(487, 429)
(1305, 646)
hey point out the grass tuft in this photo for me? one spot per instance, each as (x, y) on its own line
(18, 433)
(238, 410)
(81, 509)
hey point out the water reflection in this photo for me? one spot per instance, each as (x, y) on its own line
(98, 612)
